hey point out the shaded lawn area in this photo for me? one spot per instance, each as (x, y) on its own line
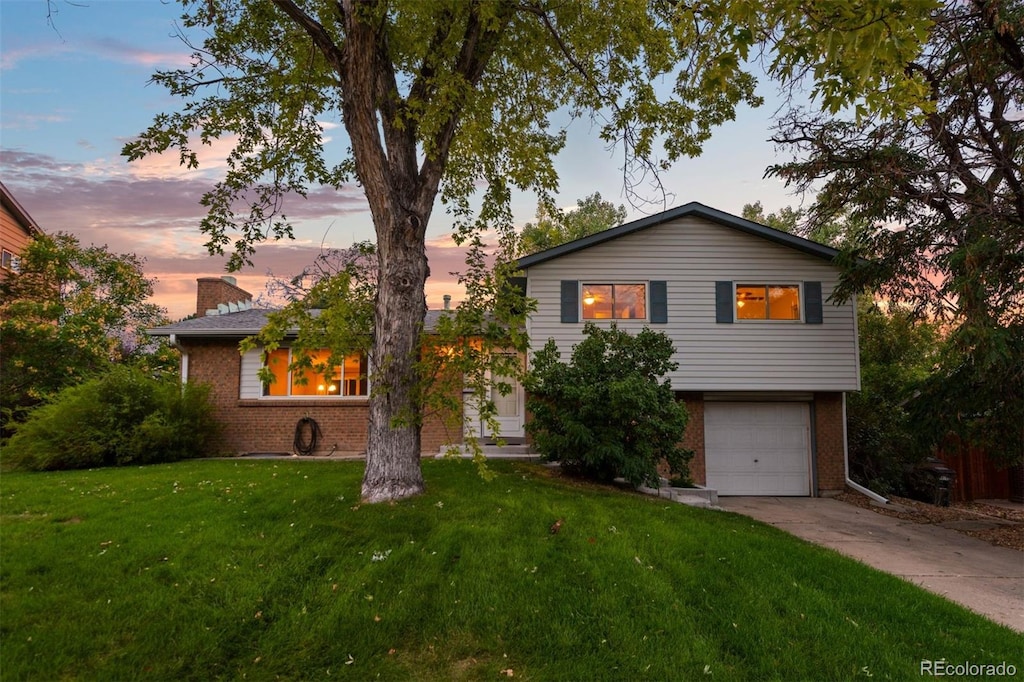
(265, 569)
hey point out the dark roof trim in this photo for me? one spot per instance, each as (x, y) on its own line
(692, 209)
(241, 324)
(31, 226)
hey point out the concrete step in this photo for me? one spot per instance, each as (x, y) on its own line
(492, 451)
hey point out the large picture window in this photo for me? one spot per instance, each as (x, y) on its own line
(767, 302)
(614, 301)
(346, 380)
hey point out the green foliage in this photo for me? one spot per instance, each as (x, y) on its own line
(897, 353)
(841, 231)
(554, 226)
(943, 194)
(69, 313)
(607, 413)
(976, 393)
(120, 418)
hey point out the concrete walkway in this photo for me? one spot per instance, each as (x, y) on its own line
(987, 579)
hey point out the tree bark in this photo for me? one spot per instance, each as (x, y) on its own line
(393, 444)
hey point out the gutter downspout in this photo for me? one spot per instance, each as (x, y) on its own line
(846, 463)
(173, 341)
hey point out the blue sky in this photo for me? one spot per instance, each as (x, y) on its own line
(73, 93)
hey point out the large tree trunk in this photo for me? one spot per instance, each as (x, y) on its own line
(393, 446)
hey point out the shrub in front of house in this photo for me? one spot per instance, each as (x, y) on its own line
(121, 418)
(609, 412)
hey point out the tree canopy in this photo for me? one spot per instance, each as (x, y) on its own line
(941, 196)
(448, 97)
(68, 313)
(554, 226)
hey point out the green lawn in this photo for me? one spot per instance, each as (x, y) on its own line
(272, 569)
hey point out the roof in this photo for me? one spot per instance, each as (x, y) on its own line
(692, 209)
(240, 324)
(18, 211)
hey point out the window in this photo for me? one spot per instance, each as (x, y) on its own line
(614, 301)
(6, 260)
(345, 380)
(767, 302)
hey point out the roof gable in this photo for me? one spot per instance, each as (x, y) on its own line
(692, 209)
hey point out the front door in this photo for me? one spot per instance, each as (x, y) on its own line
(509, 410)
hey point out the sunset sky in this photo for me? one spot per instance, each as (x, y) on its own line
(74, 92)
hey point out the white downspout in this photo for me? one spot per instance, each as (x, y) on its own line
(846, 463)
(173, 341)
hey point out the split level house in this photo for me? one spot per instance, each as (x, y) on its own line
(765, 357)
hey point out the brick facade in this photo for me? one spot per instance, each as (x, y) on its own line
(829, 440)
(264, 425)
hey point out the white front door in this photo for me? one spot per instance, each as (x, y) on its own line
(509, 410)
(757, 448)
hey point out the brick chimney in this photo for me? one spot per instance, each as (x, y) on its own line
(213, 292)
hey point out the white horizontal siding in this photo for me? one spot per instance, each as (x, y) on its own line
(250, 385)
(691, 255)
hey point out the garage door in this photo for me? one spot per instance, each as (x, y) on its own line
(757, 448)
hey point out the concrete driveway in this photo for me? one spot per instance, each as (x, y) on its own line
(986, 579)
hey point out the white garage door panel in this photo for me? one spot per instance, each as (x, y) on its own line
(757, 448)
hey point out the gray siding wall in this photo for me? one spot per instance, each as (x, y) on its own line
(691, 255)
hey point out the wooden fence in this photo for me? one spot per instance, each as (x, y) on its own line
(977, 478)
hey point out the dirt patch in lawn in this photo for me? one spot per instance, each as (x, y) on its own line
(997, 525)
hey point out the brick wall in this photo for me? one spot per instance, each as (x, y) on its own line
(213, 290)
(693, 437)
(269, 425)
(828, 429)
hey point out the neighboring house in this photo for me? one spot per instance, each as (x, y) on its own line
(17, 229)
(764, 357)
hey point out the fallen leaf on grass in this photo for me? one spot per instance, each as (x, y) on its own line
(508, 672)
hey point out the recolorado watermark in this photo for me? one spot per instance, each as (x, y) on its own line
(944, 668)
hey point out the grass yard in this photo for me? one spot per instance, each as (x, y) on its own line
(272, 569)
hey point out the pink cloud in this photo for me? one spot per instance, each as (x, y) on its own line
(117, 50)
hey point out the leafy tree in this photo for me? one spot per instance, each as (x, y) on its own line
(944, 194)
(447, 96)
(897, 355)
(608, 412)
(554, 227)
(842, 230)
(69, 313)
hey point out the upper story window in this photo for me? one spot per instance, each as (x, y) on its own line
(346, 380)
(7, 260)
(614, 301)
(767, 302)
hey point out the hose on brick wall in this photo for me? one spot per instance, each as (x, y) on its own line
(307, 434)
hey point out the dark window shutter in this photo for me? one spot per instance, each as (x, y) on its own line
(812, 303)
(723, 302)
(570, 301)
(659, 302)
